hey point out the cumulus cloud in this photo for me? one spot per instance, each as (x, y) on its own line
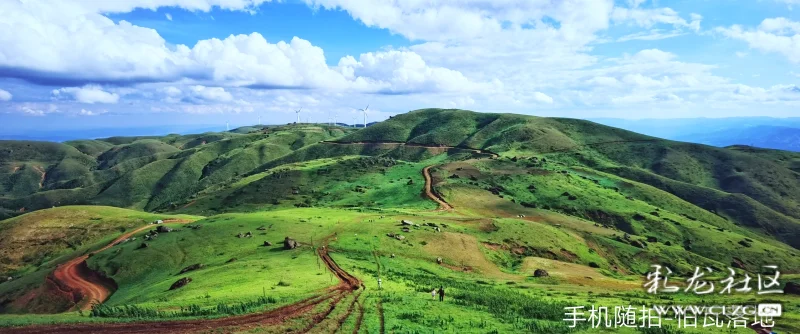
(201, 94)
(85, 47)
(402, 72)
(482, 54)
(88, 94)
(5, 95)
(774, 35)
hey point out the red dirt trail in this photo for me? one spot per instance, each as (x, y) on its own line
(88, 287)
(347, 284)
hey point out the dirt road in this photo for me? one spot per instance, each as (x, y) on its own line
(429, 190)
(347, 285)
(88, 287)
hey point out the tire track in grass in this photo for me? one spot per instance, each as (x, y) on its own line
(380, 313)
(360, 318)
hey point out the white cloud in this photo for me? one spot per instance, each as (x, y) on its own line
(399, 72)
(168, 16)
(124, 6)
(635, 3)
(603, 81)
(200, 94)
(86, 47)
(651, 35)
(5, 95)
(774, 94)
(541, 97)
(780, 25)
(486, 55)
(36, 109)
(648, 18)
(88, 94)
(85, 112)
(450, 20)
(651, 55)
(790, 3)
(775, 35)
(171, 91)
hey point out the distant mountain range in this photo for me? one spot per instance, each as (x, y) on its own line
(764, 132)
(765, 136)
(66, 135)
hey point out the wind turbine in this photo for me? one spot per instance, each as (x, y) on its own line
(298, 115)
(227, 126)
(365, 115)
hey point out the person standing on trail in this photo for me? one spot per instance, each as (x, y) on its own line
(433, 294)
(441, 293)
(380, 284)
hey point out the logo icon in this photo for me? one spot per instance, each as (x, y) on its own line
(770, 310)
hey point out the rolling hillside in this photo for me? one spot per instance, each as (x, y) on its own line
(475, 202)
(144, 173)
(748, 189)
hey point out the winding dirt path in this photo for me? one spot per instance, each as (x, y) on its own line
(87, 287)
(347, 285)
(429, 190)
(44, 175)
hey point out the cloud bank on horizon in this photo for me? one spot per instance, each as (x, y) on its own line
(572, 58)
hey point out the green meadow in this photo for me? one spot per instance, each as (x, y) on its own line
(593, 206)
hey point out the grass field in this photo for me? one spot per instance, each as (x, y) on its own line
(593, 206)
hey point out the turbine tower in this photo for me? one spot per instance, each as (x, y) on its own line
(298, 115)
(365, 115)
(227, 126)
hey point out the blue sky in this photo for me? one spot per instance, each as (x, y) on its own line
(88, 64)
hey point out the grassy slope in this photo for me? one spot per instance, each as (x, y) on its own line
(489, 252)
(610, 207)
(483, 293)
(35, 243)
(37, 238)
(214, 245)
(748, 189)
(140, 172)
(350, 181)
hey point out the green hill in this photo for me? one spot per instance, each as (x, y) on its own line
(750, 189)
(140, 172)
(593, 205)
